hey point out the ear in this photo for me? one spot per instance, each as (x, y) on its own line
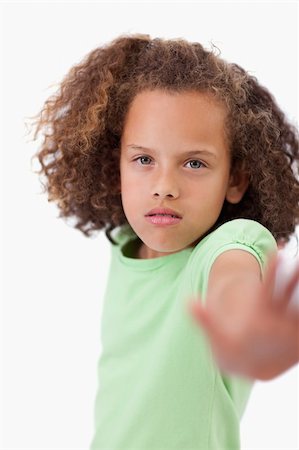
(237, 185)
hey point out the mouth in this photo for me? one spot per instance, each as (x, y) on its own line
(162, 215)
(163, 212)
(162, 219)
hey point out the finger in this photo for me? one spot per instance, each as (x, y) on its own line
(209, 326)
(268, 284)
(292, 315)
(287, 293)
(201, 315)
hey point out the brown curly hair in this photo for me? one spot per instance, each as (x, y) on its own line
(83, 124)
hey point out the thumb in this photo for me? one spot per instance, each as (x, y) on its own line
(200, 314)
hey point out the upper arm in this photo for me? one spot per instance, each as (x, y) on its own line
(232, 267)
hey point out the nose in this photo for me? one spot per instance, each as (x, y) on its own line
(165, 186)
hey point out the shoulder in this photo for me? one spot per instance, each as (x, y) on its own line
(246, 229)
(243, 244)
(243, 234)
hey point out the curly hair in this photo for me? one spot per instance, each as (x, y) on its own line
(83, 124)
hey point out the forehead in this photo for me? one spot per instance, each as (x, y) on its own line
(159, 115)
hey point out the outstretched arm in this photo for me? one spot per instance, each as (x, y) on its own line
(250, 328)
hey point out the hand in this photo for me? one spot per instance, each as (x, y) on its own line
(266, 342)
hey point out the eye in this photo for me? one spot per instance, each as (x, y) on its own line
(142, 157)
(196, 161)
(201, 164)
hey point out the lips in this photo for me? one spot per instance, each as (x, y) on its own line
(163, 212)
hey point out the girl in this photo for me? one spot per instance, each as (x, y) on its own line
(190, 166)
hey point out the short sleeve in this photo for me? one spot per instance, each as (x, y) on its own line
(252, 237)
(243, 234)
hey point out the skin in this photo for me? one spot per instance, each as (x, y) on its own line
(249, 327)
(169, 125)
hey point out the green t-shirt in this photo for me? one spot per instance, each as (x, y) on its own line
(159, 387)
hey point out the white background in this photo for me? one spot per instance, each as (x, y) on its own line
(54, 276)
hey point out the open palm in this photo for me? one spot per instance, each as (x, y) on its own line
(261, 340)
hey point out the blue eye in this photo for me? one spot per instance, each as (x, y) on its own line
(196, 160)
(191, 161)
(142, 157)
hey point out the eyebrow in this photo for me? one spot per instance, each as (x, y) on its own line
(188, 153)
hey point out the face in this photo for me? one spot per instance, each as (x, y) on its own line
(174, 154)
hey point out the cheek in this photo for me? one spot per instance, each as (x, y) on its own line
(124, 178)
(129, 186)
(131, 180)
(130, 192)
(208, 194)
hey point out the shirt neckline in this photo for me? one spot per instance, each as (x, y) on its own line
(151, 263)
